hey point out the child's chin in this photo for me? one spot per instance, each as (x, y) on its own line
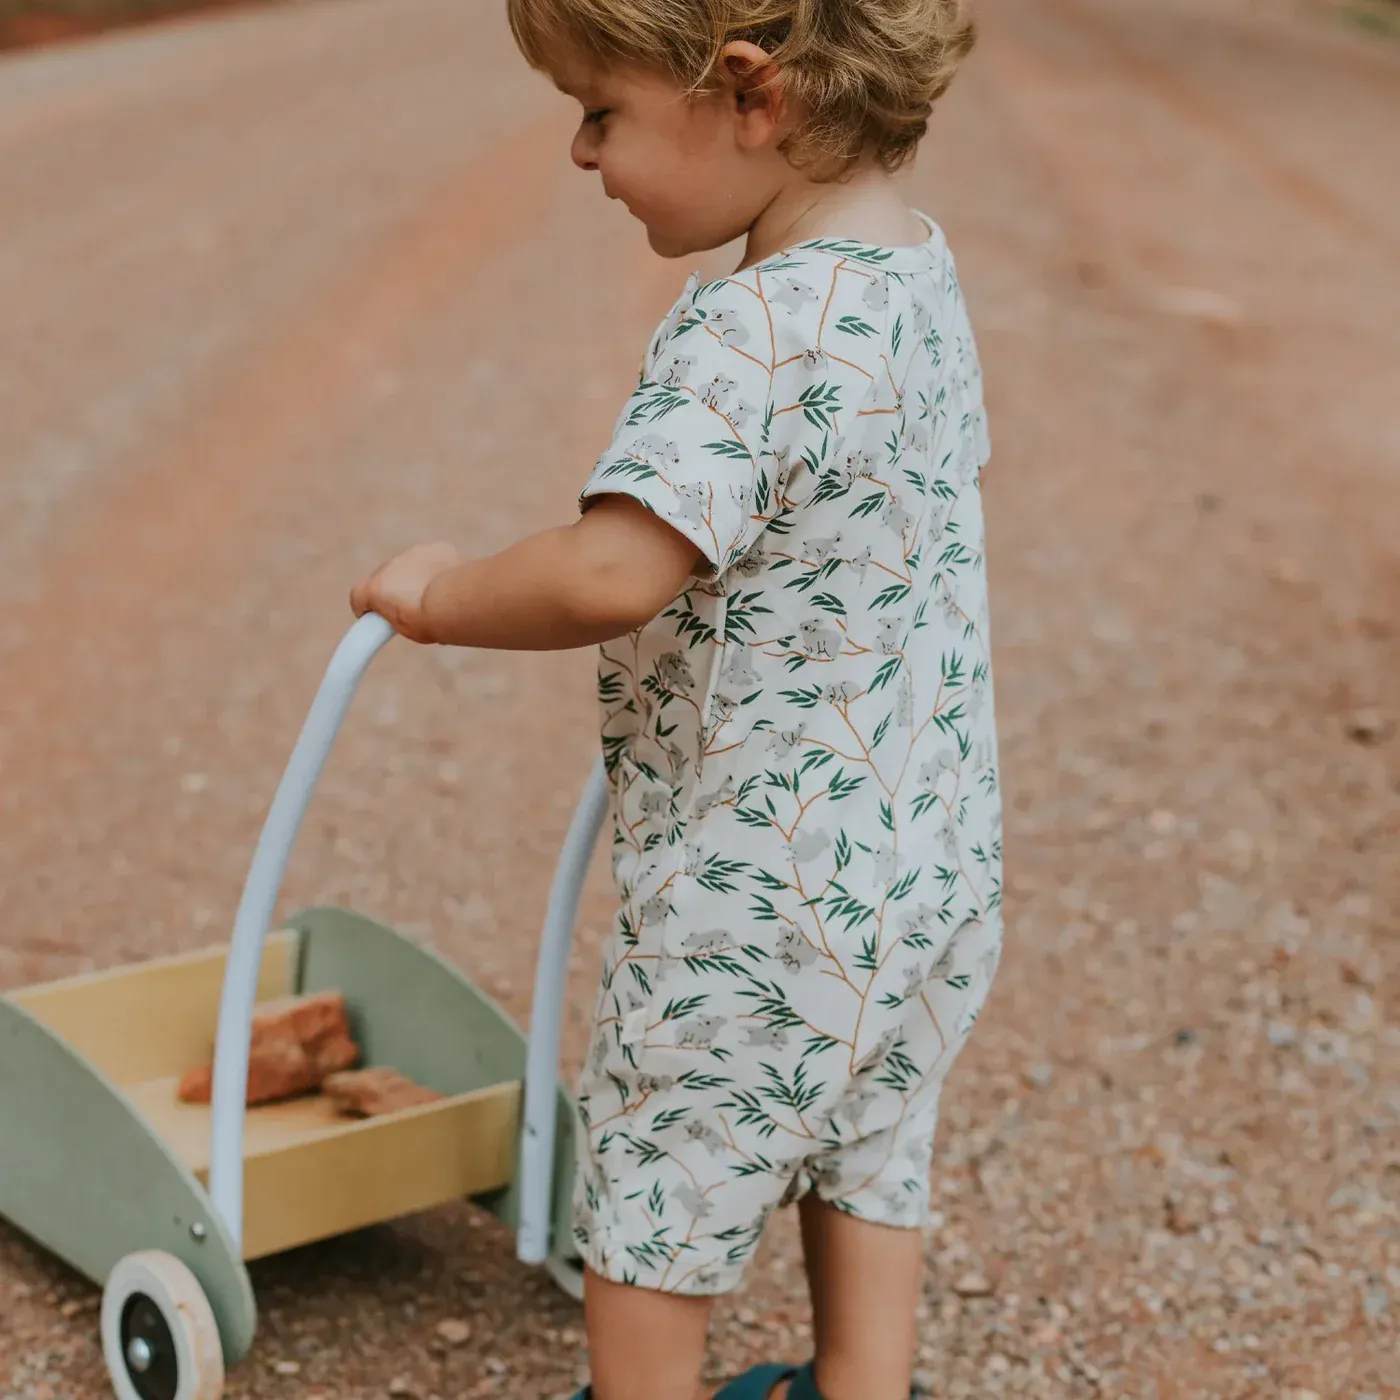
(668, 245)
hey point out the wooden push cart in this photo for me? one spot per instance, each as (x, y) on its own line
(162, 1202)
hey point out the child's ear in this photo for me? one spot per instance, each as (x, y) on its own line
(754, 83)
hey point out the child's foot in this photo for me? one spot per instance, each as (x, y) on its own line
(751, 1385)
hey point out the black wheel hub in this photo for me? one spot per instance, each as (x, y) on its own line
(148, 1350)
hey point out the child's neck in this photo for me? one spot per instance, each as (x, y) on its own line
(867, 207)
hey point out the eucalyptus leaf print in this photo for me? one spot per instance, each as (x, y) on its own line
(802, 756)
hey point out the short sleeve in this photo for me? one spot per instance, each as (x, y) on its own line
(694, 442)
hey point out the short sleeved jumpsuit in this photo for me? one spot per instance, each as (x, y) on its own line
(803, 765)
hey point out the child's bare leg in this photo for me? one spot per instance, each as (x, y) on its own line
(864, 1281)
(643, 1344)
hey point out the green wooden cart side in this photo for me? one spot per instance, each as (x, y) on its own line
(83, 1173)
(419, 1013)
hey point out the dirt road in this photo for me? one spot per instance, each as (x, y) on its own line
(284, 291)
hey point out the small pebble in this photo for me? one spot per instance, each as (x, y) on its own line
(454, 1331)
(1367, 726)
(973, 1286)
(287, 1368)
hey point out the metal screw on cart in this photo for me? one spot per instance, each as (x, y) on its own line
(197, 1231)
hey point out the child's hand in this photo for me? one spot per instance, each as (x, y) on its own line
(395, 590)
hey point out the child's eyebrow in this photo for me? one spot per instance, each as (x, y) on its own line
(582, 86)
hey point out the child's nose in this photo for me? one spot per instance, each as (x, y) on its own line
(584, 150)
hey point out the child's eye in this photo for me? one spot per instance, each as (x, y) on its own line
(594, 116)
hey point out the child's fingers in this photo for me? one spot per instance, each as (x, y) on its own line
(365, 594)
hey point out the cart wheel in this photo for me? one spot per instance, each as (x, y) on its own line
(568, 1275)
(159, 1337)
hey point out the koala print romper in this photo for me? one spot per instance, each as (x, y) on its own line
(802, 762)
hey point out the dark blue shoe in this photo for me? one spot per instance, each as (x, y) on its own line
(757, 1382)
(754, 1384)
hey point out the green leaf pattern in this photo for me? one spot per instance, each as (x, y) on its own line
(803, 764)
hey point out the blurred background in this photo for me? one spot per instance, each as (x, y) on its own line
(287, 287)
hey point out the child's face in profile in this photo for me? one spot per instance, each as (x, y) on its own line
(695, 170)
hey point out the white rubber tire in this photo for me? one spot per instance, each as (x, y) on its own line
(177, 1296)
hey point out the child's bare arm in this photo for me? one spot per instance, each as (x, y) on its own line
(607, 574)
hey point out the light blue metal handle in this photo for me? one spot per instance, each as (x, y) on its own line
(352, 657)
(536, 1160)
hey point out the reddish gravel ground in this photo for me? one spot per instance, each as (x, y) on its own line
(286, 290)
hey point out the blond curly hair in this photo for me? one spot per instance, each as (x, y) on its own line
(864, 73)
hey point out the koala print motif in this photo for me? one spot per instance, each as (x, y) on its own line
(677, 371)
(806, 846)
(755, 562)
(673, 671)
(819, 638)
(896, 517)
(699, 1031)
(856, 1102)
(806, 733)
(820, 550)
(657, 451)
(931, 773)
(739, 671)
(721, 711)
(722, 794)
(767, 1035)
(692, 1202)
(938, 524)
(704, 1134)
(876, 296)
(886, 863)
(792, 295)
(717, 392)
(919, 920)
(712, 942)
(783, 741)
(740, 414)
(794, 951)
(729, 326)
(860, 563)
(857, 465)
(691, 501)
(655, 910)
(916, 436)
(889, 634)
